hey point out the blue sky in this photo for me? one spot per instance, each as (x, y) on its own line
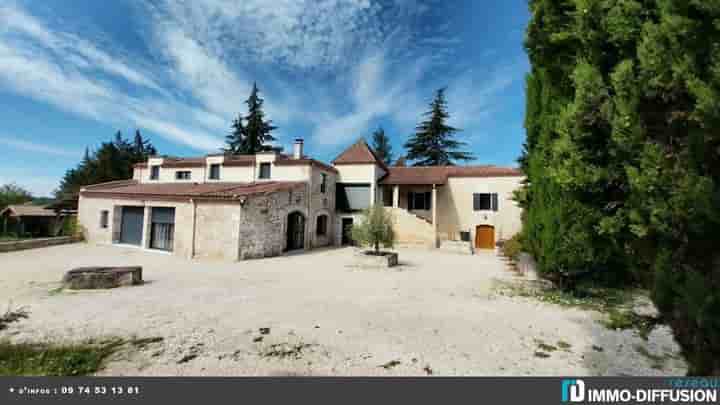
(330, 71)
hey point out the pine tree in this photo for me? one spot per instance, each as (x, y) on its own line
(141, 148)
(433, 143)
(235, 140)
(113, 160)
(381, 145)
(257, 129)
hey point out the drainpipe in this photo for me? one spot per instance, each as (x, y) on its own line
(194, 225)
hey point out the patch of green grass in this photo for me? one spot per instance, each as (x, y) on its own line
(584, 296)
(564, 345)
(620, 320)
(55, 291)
(544, 346)
(35, 359)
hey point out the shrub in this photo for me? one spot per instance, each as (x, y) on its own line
(512, 247)
(375, 228)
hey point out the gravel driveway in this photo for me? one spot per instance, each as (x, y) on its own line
(435, 315)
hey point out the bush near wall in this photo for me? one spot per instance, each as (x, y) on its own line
(623, 153)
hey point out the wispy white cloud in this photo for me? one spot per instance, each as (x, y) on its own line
(352, 62)
(16, 22)
(19, 144)
(30, 67)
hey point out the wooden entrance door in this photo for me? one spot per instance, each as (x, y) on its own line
(485, 237)
(296, 231)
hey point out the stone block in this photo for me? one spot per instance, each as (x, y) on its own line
(85, 278)
(367, 259)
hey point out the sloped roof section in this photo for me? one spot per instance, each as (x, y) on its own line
(186, 191)
(26, 210)
(440, 174)
(359, 153)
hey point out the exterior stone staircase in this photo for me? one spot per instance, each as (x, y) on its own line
(411, 229)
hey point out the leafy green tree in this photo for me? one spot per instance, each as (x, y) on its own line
(374, 229)
(381, 146)
(621, 155)
(13, 194)
(433, 143)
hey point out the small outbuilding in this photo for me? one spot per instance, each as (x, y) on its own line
(28, 220)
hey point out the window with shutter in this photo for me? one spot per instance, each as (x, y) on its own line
(484, 202)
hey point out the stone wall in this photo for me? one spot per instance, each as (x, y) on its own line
(263, 223)
(322, 203)
(37, 243)
(217, 230)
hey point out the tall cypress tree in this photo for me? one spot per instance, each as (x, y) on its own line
(621, 155)
(433, 143)
(381, 145)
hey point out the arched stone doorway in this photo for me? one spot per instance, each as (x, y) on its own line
(295, 231)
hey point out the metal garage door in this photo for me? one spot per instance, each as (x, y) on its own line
(131, 228)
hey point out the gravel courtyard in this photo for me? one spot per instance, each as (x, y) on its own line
(436, 314)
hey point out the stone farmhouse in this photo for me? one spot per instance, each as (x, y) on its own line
(236, 207)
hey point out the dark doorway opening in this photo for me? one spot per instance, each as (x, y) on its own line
(296, 231)
(347, 224)
(131, 227)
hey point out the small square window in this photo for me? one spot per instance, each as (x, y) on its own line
(104, 218)
(214, 171)
(264, 170)
(419, 201)
(485, 202)
(183, 175)
(154, 172)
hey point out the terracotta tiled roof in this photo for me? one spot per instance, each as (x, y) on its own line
(289, 161)
(28, 211)
(359, 153)
(440, 174)
(186, 191)
(183, 162)
(239, 160)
